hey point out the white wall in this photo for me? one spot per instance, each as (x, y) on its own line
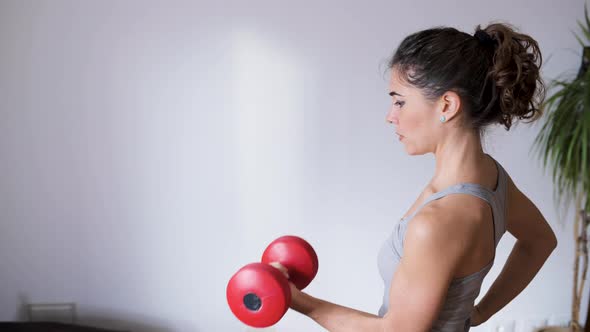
(150, 149)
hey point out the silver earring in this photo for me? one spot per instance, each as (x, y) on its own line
(443, 119)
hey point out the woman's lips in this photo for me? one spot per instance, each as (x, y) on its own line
(400, 137)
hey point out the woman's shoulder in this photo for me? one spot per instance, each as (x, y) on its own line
(457, 209)
(454, 219)
(442, 237)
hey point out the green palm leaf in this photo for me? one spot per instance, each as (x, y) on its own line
(563, 141)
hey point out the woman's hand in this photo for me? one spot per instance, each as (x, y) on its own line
(476, 317)
(294, 291)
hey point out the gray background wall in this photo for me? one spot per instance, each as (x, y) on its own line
(151, 148)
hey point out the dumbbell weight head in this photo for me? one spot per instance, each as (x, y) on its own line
(258, 295)
(295, 254)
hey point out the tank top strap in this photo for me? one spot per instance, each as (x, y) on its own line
(459, 188)
(499, 196)
(502, 187)
(495, 198)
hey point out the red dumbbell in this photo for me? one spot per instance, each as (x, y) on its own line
(259, 294)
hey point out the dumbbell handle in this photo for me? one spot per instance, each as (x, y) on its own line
(280, 267)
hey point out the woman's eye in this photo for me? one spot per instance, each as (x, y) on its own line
(399, 103)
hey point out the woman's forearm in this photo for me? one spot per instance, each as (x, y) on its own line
(521, 267)
(334, 317)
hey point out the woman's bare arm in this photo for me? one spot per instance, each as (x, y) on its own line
(535, 242)
(418, 287)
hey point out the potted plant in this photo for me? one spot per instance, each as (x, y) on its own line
(564, 145)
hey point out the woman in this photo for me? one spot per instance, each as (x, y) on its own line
(447, 86)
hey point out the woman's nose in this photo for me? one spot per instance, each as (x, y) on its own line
(392, 116)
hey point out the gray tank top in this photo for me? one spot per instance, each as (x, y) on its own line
(462, 292)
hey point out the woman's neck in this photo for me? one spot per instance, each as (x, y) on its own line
(458, 159)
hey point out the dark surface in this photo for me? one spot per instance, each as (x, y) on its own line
(48, 327)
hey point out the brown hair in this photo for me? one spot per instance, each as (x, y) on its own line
(496, 71)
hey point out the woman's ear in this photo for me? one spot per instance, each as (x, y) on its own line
(451, 105)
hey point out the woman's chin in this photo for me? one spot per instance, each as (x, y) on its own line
(414, 152)
(410, 149)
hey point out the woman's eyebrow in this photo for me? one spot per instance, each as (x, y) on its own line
(393, 93)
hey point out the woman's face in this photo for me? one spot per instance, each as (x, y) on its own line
(415, 118)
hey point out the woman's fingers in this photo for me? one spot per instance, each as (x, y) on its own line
(281, 268)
